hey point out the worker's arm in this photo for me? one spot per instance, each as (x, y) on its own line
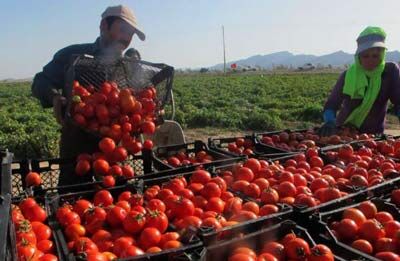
(332, 105)
(395, 90)
(47, 85)
(335, 99)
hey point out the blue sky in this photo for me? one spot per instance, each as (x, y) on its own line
(187, 33)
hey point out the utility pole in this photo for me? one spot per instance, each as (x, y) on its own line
(223, 45)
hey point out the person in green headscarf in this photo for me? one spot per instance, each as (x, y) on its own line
(362, 92)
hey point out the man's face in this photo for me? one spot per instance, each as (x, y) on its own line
(118, 36)
(371, 58)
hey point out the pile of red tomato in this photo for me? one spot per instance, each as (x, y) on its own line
(370, 231)
(33, 235)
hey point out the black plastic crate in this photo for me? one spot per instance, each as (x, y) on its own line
(355, 194)
(5, 206)
(5, 200)
(326, 218)
(49, 170)
(257, 239)
(125, 72)
(19, 170)
(356, 144)
(221, 145)
(5, 179)
(162, 153)
(382, 191)
(191, 249)
(321, 144)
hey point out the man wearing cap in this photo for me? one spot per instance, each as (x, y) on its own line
(117, 27)
(361, 93)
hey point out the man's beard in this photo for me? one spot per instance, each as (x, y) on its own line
(114, 48)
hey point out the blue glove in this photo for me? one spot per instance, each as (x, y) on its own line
(329, 127)
(329, 116)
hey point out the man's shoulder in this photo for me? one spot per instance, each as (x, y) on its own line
(75, 49)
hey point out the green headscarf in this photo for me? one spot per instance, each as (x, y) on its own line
(362, 84)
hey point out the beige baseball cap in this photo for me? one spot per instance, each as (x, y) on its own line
(127, 15)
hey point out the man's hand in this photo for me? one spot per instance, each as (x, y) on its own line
(59, 103)
(328, 129)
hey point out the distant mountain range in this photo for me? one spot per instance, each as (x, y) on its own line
(285, 58)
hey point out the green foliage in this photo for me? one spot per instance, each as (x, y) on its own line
(252, 102)
(26, 129)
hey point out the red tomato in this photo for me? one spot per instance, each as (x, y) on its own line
(148, 127)
(275, 249)
(85, 245)
(287, 189)
(157, 219)
(120, 154)
(46, 246)
(241, 257)
(107, 145)
(75, 231)
(252, 207)
(101, 167)
(215, 204)
(149, 237)
(183, 207)
(243, 216)
(210, 190)
(134, 222)
(297, 249)
(368, 209)
(391, 227)
(148, 145)
(94, 219)
(25, 251)
(371, 230)
(33, 179)
(200, 176)
(81, 206)
(387, 256)
(268, 209)
(383, 217)
(347, 229)
(122, 244)
(252, 164)
(116, 216)
(384, 244)
(252, 190)
(82, 167)
(233, 206)
(108, 181)
(355, 214)
(269, 196)
(103, 198)
(168, 237)
(127, 171)
(363, 246)
(244, 173)
(321, 253)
